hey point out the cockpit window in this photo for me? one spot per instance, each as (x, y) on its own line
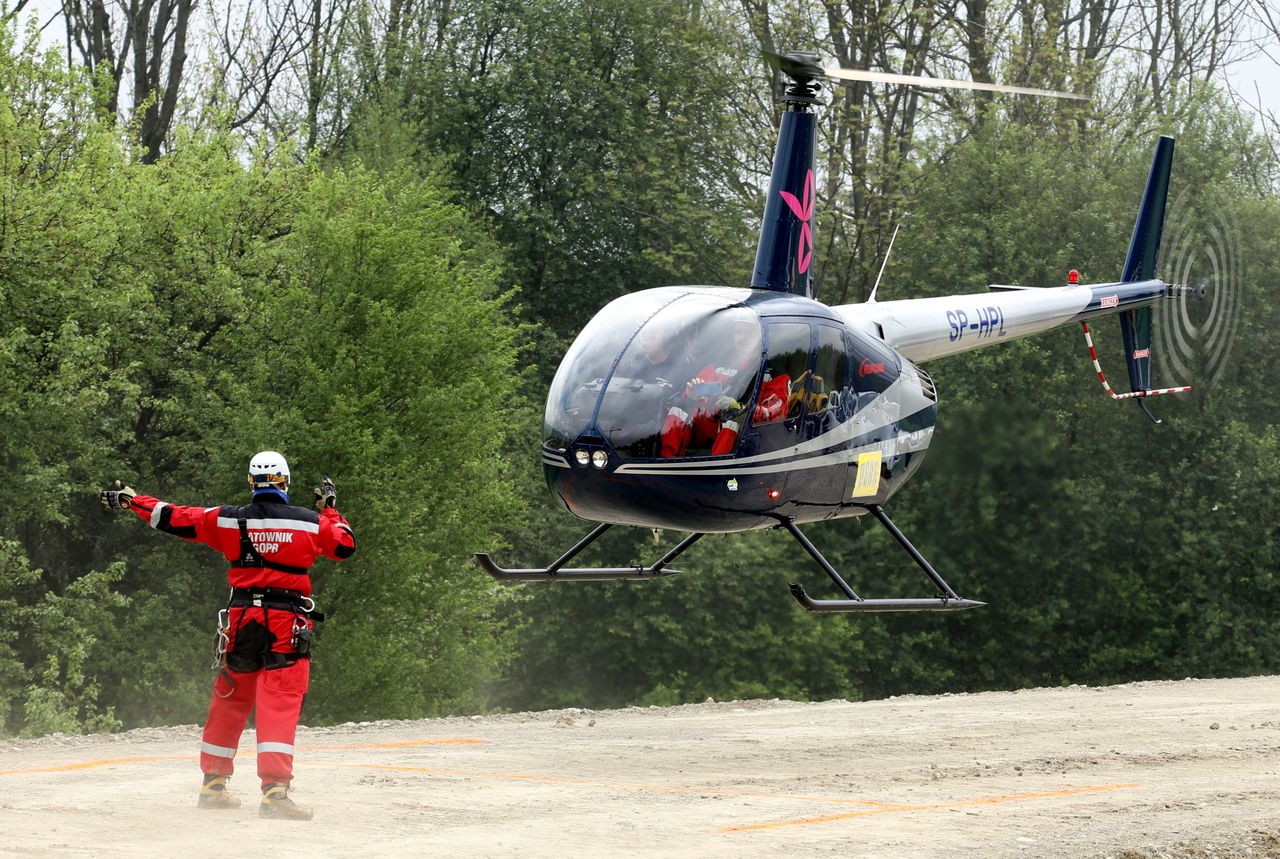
(830, 372)
(874, 365)
(676, 385)
(682, 385)
(782, 388)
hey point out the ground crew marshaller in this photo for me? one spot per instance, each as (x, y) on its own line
(265, 632)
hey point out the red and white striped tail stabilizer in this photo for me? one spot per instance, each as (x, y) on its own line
(1152, 392)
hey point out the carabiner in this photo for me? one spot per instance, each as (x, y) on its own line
(221, 639)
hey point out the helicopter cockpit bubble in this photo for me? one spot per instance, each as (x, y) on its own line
(677, 365)
(575, 390)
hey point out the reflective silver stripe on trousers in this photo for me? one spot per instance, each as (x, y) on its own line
(217, 751)
(155, 513)
(282, 748)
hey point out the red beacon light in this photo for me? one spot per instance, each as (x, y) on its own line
(774, 494)
(1073, 277)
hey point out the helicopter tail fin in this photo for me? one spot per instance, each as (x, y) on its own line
(1140, 264)
(1140, 269)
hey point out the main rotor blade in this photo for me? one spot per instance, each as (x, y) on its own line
(940, 83)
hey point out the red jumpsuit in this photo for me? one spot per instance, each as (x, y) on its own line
(704, 427)
(774, 399)
(287, 540)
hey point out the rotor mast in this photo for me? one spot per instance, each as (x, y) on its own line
(784, 256)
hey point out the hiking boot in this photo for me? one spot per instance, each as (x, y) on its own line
(214, 793)
(277, 804)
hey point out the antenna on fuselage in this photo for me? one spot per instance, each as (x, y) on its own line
(872, 297)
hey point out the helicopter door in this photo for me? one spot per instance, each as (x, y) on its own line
(780, 399)
(826, 397)
(829, 387)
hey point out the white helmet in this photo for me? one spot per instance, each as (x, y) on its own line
(268, 470)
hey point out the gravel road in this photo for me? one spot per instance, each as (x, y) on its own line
(1187, 768)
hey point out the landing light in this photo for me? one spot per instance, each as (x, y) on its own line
(599, 458)
(582, 457)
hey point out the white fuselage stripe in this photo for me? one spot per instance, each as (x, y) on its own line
(155, 513)
(554, 459)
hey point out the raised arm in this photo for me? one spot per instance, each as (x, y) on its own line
(337, 541)
(189, 523)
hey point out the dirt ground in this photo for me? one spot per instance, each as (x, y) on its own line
(1189, 768)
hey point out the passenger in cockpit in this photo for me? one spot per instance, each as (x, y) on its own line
(706, 418)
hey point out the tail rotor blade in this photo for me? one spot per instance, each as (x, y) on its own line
(1196, 337)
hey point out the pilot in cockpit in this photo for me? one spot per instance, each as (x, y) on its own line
(664, 356)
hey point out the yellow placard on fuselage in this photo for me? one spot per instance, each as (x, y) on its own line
(868, 479)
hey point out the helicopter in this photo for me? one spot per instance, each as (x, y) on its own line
(715, 409)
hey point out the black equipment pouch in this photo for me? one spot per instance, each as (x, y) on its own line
(274, 659)
(251, 648)
(302, 639)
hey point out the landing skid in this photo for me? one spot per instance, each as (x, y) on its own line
(557, 572)
(948, 600)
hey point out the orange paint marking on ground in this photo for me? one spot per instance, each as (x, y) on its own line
(406, 744)
(104, 762)
(620, 785)
(897, 809)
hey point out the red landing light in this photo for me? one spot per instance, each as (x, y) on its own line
(774, 494)
(1073, 277)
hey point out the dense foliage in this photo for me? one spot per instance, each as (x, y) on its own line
(387, 309)
(161, 320)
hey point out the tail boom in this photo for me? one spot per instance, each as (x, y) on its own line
(926, 328)
(936, 327)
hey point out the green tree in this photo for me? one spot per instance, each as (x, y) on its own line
(160, 323)
(595, 136)
(395, 365)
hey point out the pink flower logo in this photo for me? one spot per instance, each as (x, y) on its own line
(803, 211)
